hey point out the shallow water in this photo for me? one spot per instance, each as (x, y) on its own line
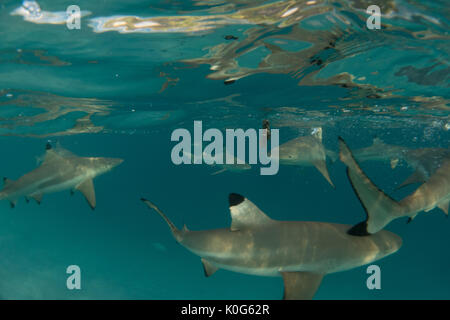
(111, 93)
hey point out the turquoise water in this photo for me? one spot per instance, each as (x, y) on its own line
(121, 94)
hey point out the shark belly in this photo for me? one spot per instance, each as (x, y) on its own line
(60, 184)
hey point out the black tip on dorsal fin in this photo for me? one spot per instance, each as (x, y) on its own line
(5, 179)
(234, 199)
(48, 146)
(359, 230)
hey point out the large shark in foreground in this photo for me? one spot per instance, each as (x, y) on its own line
(60, 170)
(382, 209)
(307, 151)
(301, 252)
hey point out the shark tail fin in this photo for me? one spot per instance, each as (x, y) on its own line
(380, 208)
(175, 231)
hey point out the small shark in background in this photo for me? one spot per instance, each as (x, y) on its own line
(300, 252)
(424, 161)
(380, 151)
(59, 170)
(237, 168)
(307, 151)
(382, 209)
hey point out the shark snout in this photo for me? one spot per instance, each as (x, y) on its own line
(395, 242)
(106, 164)
(113, 162)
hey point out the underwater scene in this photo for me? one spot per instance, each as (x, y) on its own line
(225, 149)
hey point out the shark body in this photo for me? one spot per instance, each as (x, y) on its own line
(382, 209)
(60, 170)
(424, 161)
(380, 151)
(307, 151)
(301, 252)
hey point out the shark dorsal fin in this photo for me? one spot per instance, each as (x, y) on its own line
(317, 132)
(377, 141)
(50, 156)
(245, 214)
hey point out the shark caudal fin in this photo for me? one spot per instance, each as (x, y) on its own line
(379, 207)
(177, 233)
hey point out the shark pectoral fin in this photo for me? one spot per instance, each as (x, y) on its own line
(13, 203)
(244, 213)
(394, 163)
(220, 171)
(416, 177)
(444, 206)
(37, 197)
(300, 285)
(321, 165)
(87, 189)
(208, 268)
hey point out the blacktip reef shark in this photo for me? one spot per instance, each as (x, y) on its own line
(59, 170)
(382, 209)
(300, 252)
(380, 151)
(307, 151)
(424, 161)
